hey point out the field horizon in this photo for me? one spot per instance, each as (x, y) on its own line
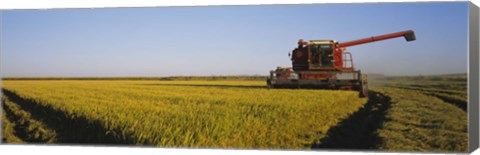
(193, 77)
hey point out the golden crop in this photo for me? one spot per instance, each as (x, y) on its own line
(428, 114)
(225, 114)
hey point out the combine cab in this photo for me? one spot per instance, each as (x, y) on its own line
(325, 64)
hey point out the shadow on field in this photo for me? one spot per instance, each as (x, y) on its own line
(359, 130)
(20, 129)
(204, 85)
(69, 130)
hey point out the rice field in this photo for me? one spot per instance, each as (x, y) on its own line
(205, 114)
(420, 114)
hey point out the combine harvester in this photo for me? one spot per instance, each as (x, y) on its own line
(325, 64)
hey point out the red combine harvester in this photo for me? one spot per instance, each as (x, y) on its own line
(325, 64)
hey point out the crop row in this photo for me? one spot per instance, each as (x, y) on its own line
(8, 131)
(20, 126)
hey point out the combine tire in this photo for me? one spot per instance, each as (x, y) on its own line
(363, 91)
(269, 84)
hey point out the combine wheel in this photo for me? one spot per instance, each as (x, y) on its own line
(363, 91)
(269, 84)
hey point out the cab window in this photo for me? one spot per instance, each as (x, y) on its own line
(321, 55)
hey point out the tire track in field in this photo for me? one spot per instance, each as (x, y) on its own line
(425, 89)
(460, 104)
(69, 130)
(456, 102)
(359, 130)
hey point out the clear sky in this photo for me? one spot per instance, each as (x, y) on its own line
(227, 40)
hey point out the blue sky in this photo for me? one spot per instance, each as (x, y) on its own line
(227, 40)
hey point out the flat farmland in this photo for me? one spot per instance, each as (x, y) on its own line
(414, 113)
(206, 114)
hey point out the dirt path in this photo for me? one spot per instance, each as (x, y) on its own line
(359, 130)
